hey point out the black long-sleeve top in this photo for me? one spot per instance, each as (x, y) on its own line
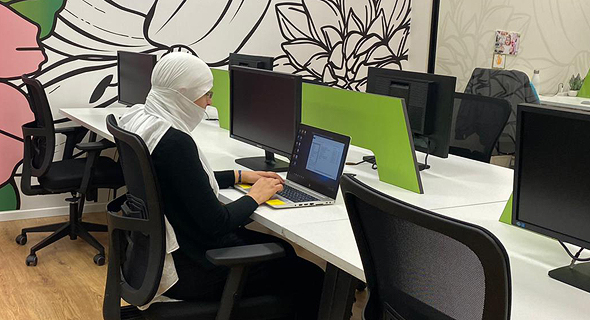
(199, 220)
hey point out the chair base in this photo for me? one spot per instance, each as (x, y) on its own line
(72, 228)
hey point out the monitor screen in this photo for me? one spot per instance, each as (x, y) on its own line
(134, 74)
(318, 159)
(552, 180)
(265, 108)
(429, 103)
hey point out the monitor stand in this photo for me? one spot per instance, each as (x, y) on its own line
(577, 275)
(266, 163)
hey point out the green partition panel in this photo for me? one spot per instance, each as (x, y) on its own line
(506, 216)
(585, 91)
(221, 96)
(375, 122)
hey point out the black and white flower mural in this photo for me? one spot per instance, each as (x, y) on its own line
(71, 47)
(335, 41)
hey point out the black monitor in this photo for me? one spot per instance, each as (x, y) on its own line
(265, 110)
(552, 180)
(134, 72)
(429, 102)
(244, 60)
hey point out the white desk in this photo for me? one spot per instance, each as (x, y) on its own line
(565, 101)
(534, 294)
(457, 187)
(451, 182)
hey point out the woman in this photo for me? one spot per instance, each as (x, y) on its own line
(195, 220)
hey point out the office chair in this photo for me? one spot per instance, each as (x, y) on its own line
(512, 85)
(477, 124)
(137, 252)
(78, 176)
(421, 265)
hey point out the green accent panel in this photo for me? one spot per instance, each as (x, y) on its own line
(221, 96)
(41, 12)
(375, 122)
(506, 216)
(585, 91)
(8, 200)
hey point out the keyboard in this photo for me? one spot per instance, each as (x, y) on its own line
(295, 195)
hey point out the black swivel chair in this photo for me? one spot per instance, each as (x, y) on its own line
(78, 176)
(421, 265)
(137, 252)
(478, 122)
(511, 85)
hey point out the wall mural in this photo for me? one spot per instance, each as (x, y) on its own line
(71, 48)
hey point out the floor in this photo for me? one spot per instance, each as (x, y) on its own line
(66, 284)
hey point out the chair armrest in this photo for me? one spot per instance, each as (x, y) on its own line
(62, 120)
(66, 130)
(95, 146)
(245, 255)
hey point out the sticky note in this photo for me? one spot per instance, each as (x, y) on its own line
(245, 186)
(275, 202)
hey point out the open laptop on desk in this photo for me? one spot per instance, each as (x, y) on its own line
(315, 169)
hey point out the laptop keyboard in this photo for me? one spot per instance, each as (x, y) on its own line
(295, 195)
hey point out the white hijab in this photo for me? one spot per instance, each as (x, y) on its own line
(178, 79)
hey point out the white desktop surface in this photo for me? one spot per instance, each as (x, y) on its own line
(464, 189)
(566, 101)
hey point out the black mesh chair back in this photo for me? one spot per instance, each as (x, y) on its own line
(38, 135)
(421, 265)
(512, 85)
(477, 124)
(136, 227)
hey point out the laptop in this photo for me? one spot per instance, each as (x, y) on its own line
(315, 169)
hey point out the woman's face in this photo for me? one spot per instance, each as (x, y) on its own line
(508, 40)
(204, 101)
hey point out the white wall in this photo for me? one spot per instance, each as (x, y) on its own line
(555, 38)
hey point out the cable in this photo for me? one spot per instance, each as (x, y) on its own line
(576, 256)
(355, 163)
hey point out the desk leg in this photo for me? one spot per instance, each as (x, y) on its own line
(337, 295)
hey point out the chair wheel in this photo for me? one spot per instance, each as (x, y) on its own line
(99, 259)
(31, 260)
(21, 239)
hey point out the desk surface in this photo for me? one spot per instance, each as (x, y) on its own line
(565, 101)
(464, 189)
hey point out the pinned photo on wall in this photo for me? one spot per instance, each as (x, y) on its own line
(507, 42)
(499, 61)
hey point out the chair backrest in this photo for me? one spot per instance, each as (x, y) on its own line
(478, 122)
(137, 235)
(38, 135)
(421, 265)
(512, 85)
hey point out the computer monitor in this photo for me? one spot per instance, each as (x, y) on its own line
(134, 72)
(429, 103)
(265, 110)
(552, 180)
(244, 60)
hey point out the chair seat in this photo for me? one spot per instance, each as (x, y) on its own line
(66, 175)
(275, 307)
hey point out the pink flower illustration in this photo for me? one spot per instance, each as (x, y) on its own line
(21, 54)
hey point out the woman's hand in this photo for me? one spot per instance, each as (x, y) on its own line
(251, 177)
(264, 189)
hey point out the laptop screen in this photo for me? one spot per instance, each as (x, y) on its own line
(318, 159)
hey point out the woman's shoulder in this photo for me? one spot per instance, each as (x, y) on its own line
(176, 140)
